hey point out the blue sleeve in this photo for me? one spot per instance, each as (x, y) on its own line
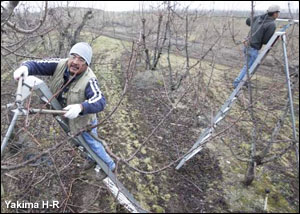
(41, 67)
(95, 100)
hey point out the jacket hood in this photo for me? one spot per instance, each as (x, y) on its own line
(265, 19)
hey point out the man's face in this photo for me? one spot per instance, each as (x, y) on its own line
(76, 64)
(276, 15)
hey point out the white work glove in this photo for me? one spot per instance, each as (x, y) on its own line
(23, 70)
(73, 111)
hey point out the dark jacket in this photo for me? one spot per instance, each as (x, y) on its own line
(263, 29)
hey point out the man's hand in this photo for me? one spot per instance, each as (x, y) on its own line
(73, 111)
(246, 42)
(23, 70)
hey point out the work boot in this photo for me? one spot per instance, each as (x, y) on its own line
(88, 164)
(100, 174)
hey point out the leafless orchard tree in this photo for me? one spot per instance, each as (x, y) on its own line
(18, 29)
(160, 38)
(69, 21)
(263, 149)
(260, 151)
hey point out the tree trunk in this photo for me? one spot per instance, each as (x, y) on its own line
(156, 48)
(250, 174)
(88, 15)
(148, 65)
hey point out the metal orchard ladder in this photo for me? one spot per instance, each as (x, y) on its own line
(123, 196)
(205, 136)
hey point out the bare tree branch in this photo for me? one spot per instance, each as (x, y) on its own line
(21, 30)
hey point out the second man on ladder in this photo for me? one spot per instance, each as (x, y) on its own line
(263, 28)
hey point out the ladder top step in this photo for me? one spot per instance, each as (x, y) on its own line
(279, 33)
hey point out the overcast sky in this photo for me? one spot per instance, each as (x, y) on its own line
(217, 5)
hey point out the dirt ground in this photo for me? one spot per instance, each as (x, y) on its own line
(192, 184)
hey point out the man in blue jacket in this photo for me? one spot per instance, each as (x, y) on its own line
(79, 92)
(263, 28)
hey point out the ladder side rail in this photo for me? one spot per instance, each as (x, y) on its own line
(265, 52)
(207, 132)
(196, 147)
(134, 207)
(288, 81)
(290, 95)
(9, 131)
(252, 70)
(124, 196)
(19, 103)
(43, 89)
